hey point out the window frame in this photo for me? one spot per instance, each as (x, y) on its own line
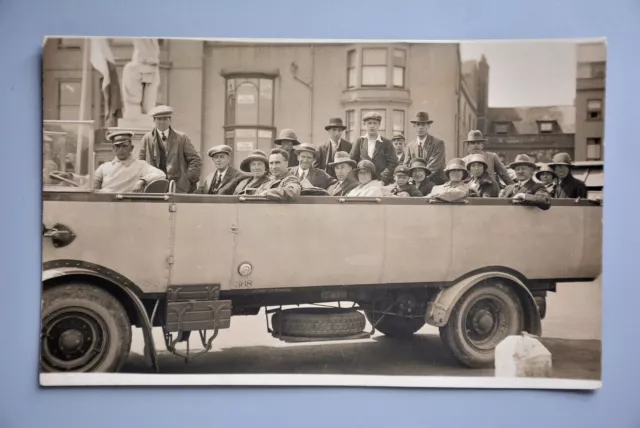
(599, 111)
(391, 64)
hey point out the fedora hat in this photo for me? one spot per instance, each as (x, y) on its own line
(342, 157)
(474, 135)
(258, 155)
(477, 158)
(545, 168)
(287, 134)
(560, 159)
(306, 147)
(457, 164)
(423, 117)
(335, 122)
(369, 166)
(419, 163)
(222, 148)
(522, 160)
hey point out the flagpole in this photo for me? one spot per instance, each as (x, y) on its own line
(84, 92)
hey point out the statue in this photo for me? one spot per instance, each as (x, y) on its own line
(141, 78)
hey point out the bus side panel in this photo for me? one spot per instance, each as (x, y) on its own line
(591, 263)
(130, 238)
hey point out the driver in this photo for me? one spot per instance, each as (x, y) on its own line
(124, 173)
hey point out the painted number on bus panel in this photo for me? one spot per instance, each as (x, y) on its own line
(243, 283)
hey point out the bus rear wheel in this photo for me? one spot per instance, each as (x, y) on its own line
(84, 329)
(483, 317)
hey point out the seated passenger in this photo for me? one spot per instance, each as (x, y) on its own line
(343, 166)
(481, 181)
(282, 186)
(526, 191)
(370, 184)
(222, 180)
(568, 186)
(124, 173)
(257, 164)
(455, 189)
(402, 187)
(305, 170)
(420, 176)
(547, 177)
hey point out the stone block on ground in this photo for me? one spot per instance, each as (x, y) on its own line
(522, 356)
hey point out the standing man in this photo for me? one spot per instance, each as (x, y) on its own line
(286, 140)
(283, 186)
(171, 151)
(399, 142)
(225, 177)
(526, 191)
(568, 186)
(307, 154)
(427, 147)
(343, 165)
(336, 143)
(475, 146)
(373, 147)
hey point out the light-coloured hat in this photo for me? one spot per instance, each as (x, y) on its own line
(342, 157)
(369, 166)
(306, 147)
(456, 164)
(222, 148)
(119, 136)
(419, 163)
(258, 155)
(560, 159)
(372, 115)
(287, 134)
(161, 111)
(477, 158)
(545, 168)
(522, 160)
(474, 135)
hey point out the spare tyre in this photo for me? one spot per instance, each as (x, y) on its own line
(318, 322)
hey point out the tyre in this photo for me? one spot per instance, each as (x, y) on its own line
(84, 329)
(318, 322)
(395, 326)
(483, 317)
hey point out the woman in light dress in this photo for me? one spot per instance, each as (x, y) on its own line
(370, 184)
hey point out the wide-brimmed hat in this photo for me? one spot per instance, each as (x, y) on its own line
(119, 136)
(372, 115)
(423, 117)
(522, 160)
(258, 155)
(287, 134)
(545, 168)
(477, 158)
(560, 159)
(222, 148)
(369, 166)
(306, 147)
(419, 163)
(335, 122)
(456, 164)
(161, 111)
(342, 157)
(398, 136)
(474, 135)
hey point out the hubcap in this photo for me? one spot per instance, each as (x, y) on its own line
(71, 340)
(485, 323)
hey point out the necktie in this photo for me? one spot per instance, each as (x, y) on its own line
(303, 175)
(216, 182)
(420, 150)
(164, 137)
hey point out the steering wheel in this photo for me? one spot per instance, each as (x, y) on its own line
(56, 175)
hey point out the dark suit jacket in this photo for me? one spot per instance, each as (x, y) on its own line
(326, 155)
(433, 152)
(535, 194)
(317, 177)
(348, 185)
(183, 161)
(571, 187)
(242, 186)
(226, 186)
(426, 186)
(384, 157)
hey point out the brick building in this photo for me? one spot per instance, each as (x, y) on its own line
(590, 100)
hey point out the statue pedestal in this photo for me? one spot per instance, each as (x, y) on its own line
(139, 125)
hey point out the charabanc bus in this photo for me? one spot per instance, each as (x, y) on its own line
(320, 267)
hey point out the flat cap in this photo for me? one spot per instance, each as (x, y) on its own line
(222, 148)
(161, 111)
(372, 115)
(120, 136)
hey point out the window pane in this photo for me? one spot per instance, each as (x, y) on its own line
(374, 56)
(546, 127)
(399, 57)
(266, 102)
(382, 122)
(69, 112)
(374, 76)
(230, 114)
(70, 93)
(398, 121)
(66, 148)
(246, 104)
(398, 77)
(594, 105)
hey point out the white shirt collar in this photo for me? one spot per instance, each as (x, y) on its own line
(378, 138)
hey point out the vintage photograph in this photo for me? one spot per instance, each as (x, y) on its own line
(322, 212)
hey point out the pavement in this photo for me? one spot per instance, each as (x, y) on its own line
(571, 331)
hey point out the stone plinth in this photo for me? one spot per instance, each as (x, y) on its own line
(522, 356)
(139, 128)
